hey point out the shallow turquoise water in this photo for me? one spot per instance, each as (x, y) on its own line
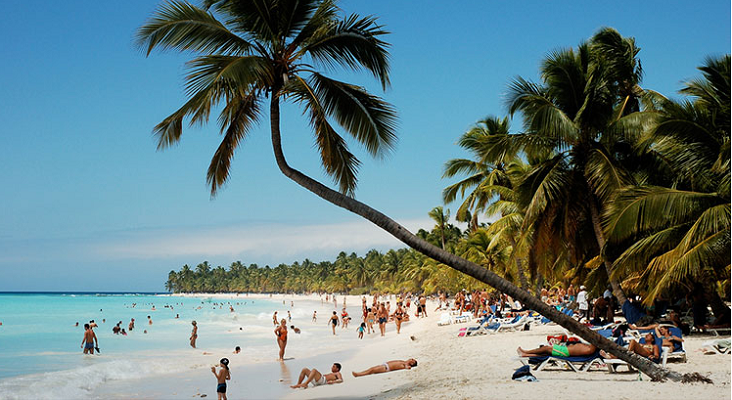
(39, 341)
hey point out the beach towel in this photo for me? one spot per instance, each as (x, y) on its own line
(631, 312)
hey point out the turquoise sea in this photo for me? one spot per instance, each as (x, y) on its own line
(40, 346)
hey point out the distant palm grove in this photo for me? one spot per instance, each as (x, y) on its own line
(604, 182)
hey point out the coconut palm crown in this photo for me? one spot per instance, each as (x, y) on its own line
(246, 51)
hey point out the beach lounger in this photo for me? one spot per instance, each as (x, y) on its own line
(517, 324)
(475, 330)
(576, 364)
(466, 316)
(716, 346)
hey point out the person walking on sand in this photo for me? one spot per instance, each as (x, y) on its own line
(90, 341)
(398, 316)
(315, 316)
(317, 379)
(221, 377)
(389, 366)
(274, 319)
(333, 321)
(383, 316)
(423, 303)
(281, 333)
(194, 334)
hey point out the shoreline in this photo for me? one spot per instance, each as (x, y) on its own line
(467, 367)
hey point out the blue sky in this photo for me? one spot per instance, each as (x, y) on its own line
(89, 204)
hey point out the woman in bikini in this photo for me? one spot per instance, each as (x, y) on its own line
(394, 365)
(281, 333)
(398, 316)
(648, 349)
(370, 319)
(194, 334)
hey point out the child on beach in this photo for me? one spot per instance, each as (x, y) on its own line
(361, 329)
(221, 377)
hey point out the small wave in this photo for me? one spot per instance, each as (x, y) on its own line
(80, 382)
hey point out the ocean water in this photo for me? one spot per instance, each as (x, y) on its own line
(40, 346)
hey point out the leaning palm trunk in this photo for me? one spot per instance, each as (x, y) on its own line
(600, 237)
(474, 270)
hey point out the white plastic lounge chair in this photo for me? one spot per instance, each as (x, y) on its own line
(512, 326)
(466, 316)
(716, 346)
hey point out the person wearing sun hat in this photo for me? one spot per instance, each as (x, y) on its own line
(583, 303)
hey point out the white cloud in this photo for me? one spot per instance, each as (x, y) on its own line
(269, 241)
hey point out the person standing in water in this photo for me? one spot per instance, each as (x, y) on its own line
(90, 341)
(274, 318)
(281, 333)
(194, 334)
(221, 377)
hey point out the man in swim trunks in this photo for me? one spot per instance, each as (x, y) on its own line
(394, 365)
(89, 340)
(318, 379)
(560, 350)
(383, 316)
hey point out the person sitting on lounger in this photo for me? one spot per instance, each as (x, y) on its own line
(388, 366)
(668, 339)
(559, 350)
(318, 379)
(648, 349)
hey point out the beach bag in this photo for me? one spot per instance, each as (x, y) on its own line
(524, 374)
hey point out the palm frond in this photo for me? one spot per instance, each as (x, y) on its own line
(354, 43)
(236, 119)
(367, 118)
(604, 175)
(337, 160)
(178, 25)
(640, 209)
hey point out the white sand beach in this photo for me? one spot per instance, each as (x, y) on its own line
(449, 367)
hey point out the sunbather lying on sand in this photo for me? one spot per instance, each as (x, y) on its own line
(559, 350)
(388, 366)
(317, 379)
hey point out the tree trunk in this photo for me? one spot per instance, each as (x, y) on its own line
(519, 264)
(539, 284)
(474, 270)
(600, 237)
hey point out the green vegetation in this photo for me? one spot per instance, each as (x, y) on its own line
(606, 182)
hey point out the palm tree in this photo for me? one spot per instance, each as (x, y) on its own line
(581, 117)
(680, 235)
(441, 218)
(262, 49)
(488, 180)
(483, 173)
